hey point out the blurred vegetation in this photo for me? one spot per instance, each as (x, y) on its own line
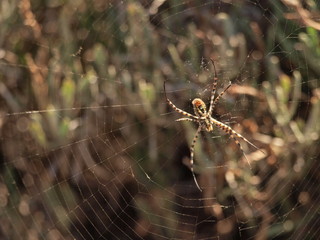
(90, 149)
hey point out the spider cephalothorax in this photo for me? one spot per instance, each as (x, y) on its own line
(205, 120)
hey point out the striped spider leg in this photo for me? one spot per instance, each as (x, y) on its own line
(206, 121)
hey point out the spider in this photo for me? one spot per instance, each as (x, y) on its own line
(206, 121)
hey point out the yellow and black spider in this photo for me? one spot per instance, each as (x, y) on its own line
(206, 121)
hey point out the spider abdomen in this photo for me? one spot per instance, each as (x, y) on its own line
(200, 110)
(199, 107)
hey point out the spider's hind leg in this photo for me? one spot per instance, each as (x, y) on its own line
(234, 135)
(195, 138)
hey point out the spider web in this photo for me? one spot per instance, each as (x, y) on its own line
(91, 150)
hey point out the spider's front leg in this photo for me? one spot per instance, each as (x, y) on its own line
(186, 119)
(174, 107)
